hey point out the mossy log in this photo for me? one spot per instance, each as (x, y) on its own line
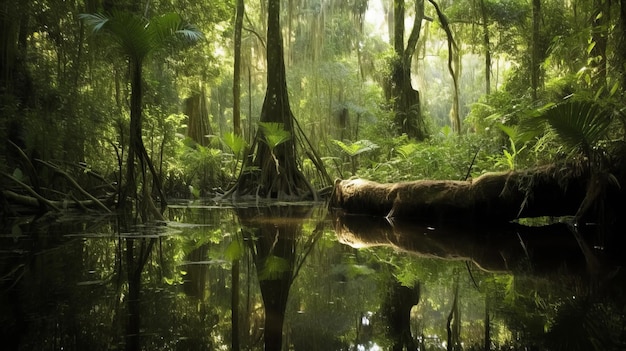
(493, 197)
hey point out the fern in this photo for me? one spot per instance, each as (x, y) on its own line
(407, 150)
(356, 148)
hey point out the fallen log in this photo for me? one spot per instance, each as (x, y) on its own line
(492, 197)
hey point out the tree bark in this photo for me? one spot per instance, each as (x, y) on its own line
(273, 246)
(234, 302)
(198, 126)
(454, 67)
(492, 198)
(237, 69)
(406, 99)
(535, 69)
(486, 46)
(279, 178)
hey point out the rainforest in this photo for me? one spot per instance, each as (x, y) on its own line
(312, 174)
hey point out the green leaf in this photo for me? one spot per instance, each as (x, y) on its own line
(614, 88)
(234, 142)
(136, 36)
(234, 251)
(358, 147)
(407, 150)
(579, 124)
(274, 267)
(274, 133)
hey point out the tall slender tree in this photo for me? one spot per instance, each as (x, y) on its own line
(138, 37)
(408, 114)
(454, 67)
(237, 68)
(486, 45)
(535, 69)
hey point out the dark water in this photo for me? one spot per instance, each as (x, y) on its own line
(302, 279)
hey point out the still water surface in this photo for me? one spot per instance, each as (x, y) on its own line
(298, 278)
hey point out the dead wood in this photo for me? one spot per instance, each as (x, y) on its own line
(493, 197)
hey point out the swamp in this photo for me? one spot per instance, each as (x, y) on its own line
(313, 175)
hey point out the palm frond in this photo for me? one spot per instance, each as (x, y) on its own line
(126, 29)
(138, 37)
(94, 20)
(579, 124)
(274, 133)
(234, 142)
(167, 26)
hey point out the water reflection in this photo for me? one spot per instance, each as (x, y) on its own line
(273, 234)
(278, 277)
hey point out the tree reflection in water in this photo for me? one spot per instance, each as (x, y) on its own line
(79, 284)
(272, 234)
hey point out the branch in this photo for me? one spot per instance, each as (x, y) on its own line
(30, 190)
(73, 182)
(256, 35)
(415, 32)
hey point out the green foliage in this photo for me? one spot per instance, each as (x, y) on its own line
(356, 148)
(235, 250)
(581, 125)
(441, 157)
(235, 143)
(274, 267)
(137, 36)
(274, 134)
(510, 157)
(201, 167)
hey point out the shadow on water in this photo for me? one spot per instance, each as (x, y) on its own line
(293, 277)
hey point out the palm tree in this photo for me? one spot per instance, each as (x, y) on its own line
(582, 126)
(138, 37)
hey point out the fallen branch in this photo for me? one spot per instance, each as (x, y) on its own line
(74, 184)
(32, 201)
(39, 198)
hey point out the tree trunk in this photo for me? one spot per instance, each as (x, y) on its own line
(408, 116)
(198, 126)
(535, 62)
(454, 67)
(491, 249)
(491, 198)
(273, 247)
(453, 324)
(234, 302)
(237, 69)
(396, 310)
(280, 177)
(486, 46)
(135, 139)
(137, 152)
